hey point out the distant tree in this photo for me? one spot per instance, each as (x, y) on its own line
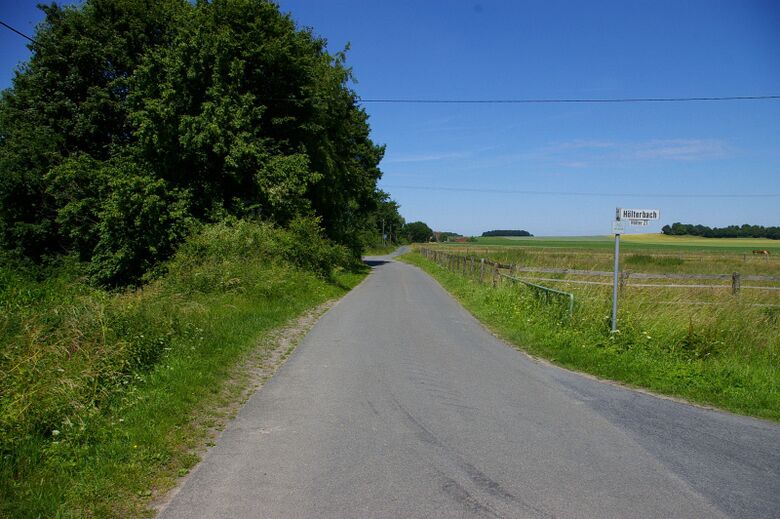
(446, 235)
(385, 218)
(731, 231)
(506, 233)
(417, 232)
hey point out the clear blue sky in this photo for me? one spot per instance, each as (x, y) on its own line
(449, 49)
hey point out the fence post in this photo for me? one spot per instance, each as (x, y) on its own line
(495, 274)
(481, 269)
(736, 283)
(623, 279)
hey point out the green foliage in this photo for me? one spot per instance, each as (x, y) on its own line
(245, 111)
(732, 231)
(70, 98)
(213, 109)
(140, 224)
(417, 232)
(301, 244)
(386, 219)
(117, 216)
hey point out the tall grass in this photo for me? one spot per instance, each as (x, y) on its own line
(97, 389)
(725, 354)
(680, 260)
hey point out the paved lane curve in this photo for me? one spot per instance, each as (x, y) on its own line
(399, 404)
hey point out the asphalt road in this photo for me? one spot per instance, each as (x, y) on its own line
(399, 404)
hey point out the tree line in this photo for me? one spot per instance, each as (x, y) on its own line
(732, 231)
(506, 233)
(136, 121)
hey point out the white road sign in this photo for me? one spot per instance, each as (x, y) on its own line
(638, 214)
(618, 227)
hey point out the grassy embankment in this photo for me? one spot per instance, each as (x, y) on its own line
(106, 396)
(724, 353)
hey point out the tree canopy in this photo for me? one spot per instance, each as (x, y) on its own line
(418, 232)
(135, 120)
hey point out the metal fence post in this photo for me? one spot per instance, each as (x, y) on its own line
(616, 273)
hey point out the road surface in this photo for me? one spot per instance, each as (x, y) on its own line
(399, 404)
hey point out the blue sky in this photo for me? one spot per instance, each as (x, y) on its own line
(487, 49)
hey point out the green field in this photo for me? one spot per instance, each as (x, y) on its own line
(659, 242)
(651, 253)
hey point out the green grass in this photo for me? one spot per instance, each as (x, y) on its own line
(648, 256)
(726, 356)
(636, 242)
(106, 396)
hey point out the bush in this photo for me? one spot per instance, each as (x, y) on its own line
(141, 223)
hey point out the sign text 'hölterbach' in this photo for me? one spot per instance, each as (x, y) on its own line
(638, 214)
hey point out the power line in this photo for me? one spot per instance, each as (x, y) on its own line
(583, 193)
(23, 35)
(573, 101)
(526, 101)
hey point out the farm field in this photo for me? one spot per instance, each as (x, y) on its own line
(639, 252)
(683, 329)
(658, 242)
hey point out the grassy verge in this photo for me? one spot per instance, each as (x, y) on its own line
(729, 358)
(105, 396)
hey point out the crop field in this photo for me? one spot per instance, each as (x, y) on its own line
(654, 242)
(677, 301)
(639, 252)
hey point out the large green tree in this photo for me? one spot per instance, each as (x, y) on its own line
(251, 114)
(135, 119)
(418, 232)
(70, 99)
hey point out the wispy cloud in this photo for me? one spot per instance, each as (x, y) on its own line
(682, 149)
(581, 144)
(582, 153)
(426, 157)
(435, 156)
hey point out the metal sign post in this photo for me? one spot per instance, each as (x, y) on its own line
(635, 217)
(617, 228)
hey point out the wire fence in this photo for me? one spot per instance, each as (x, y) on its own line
(493, 272)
